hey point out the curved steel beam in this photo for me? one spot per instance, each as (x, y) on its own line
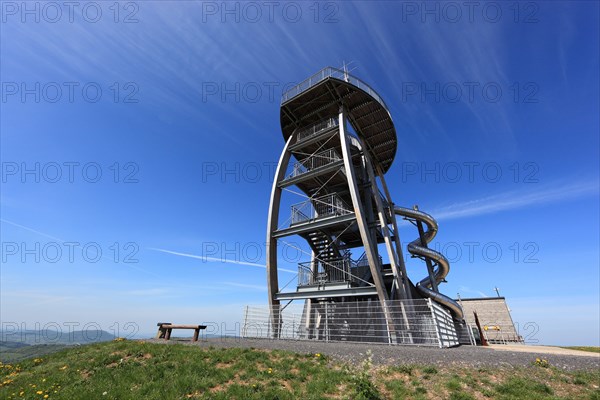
(271, 247)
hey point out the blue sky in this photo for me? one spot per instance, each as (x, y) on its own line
(496, 112)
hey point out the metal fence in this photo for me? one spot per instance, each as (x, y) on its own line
(412, 322)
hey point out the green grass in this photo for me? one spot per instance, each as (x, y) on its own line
(591, 349)
(134, 370)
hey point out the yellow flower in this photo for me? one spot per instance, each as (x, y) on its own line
(45, 396)
(63, 368)
(39, 392)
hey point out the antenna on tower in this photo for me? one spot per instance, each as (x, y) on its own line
(346, 68)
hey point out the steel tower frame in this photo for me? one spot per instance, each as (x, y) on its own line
(341, 134)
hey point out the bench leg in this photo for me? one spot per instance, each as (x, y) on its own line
(168, 334)
(161, 333)
(196, 332)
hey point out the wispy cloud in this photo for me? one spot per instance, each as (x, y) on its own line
(222, 260)
(517, 199)
(149, 292)
(447, 53)
(465, 289)
(24, 296)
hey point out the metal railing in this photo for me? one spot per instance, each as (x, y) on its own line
(415, 322)
(324, 206)
(363, 261)
(313, 162)
(328, 72)
(319, 272)
(316, 128)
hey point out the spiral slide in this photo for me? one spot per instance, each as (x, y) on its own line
(419, 249)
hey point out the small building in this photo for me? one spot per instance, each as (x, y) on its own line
(494, 318)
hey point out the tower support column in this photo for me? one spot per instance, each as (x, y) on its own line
(370, 247)
(271, 246)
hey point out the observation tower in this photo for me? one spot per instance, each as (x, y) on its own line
(340, 141)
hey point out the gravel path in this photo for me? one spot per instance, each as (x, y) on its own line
(354, 353)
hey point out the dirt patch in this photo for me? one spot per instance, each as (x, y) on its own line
(222, 387)
(85, 374)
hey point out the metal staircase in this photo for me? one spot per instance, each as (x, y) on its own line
(325, 249)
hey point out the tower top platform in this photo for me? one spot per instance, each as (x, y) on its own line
(320, 97)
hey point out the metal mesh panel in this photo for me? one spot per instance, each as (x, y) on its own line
(465, 333)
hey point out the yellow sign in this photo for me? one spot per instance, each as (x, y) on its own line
(491, 328)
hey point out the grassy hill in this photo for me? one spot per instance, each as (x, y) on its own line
(591, 349)
(134, 370)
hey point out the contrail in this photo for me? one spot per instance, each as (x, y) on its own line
(62, 241)
(32, 230)
(205, 258)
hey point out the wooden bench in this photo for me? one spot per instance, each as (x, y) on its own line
(165, 329)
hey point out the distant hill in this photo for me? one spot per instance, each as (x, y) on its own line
(11, 345)
(47, 336)
(17, 346)
(11, 355)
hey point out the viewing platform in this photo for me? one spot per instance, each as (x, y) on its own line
(319, 97)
